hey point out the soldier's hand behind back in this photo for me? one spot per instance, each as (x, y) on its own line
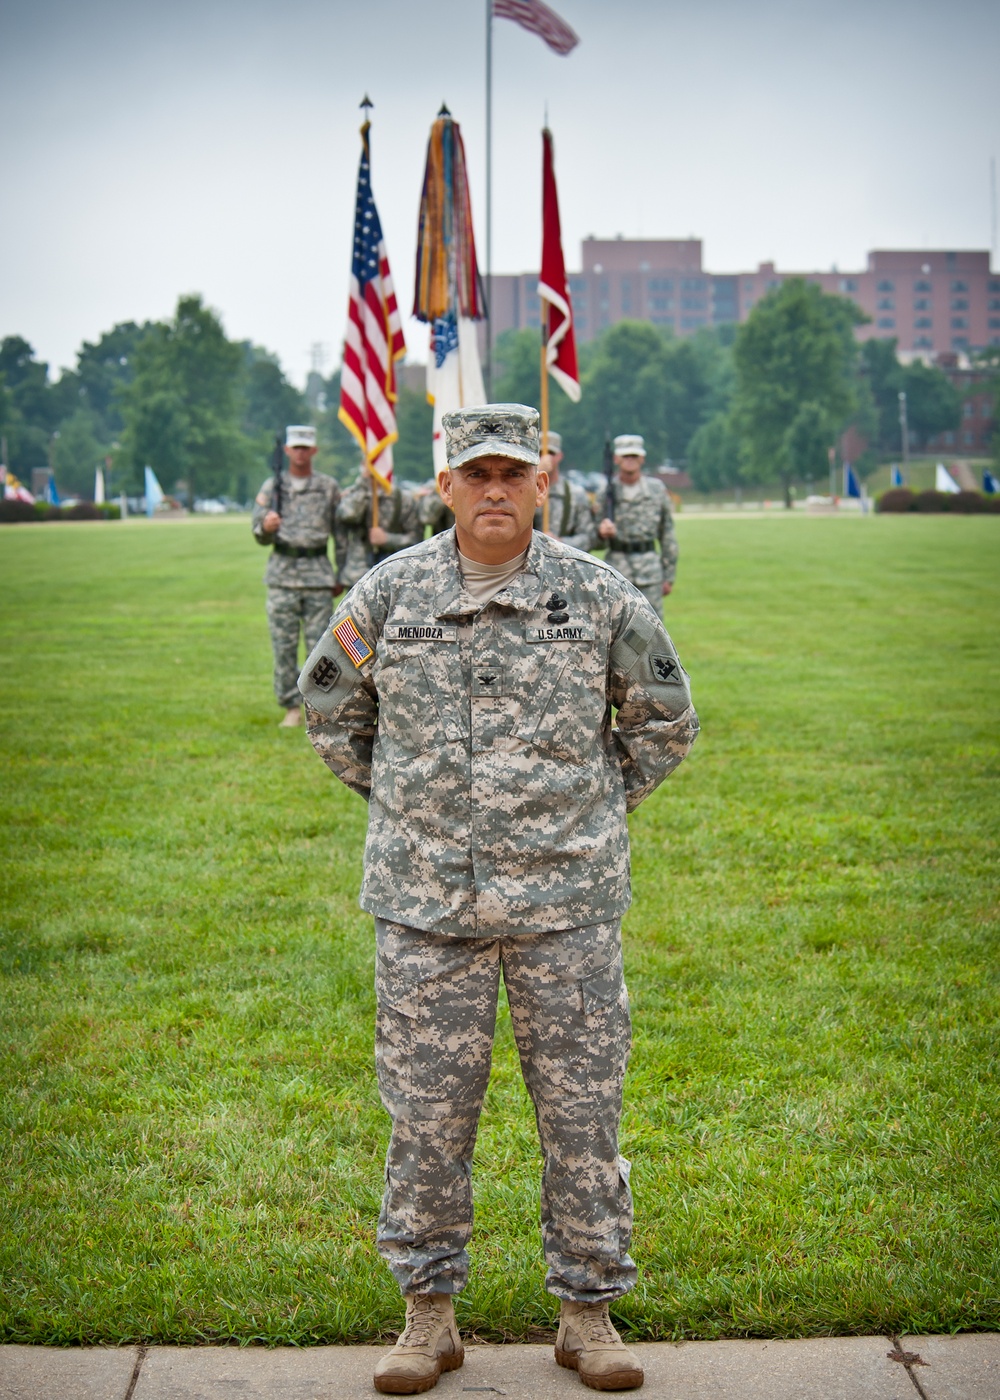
(667, 588)
(607, 529)
(272, 522)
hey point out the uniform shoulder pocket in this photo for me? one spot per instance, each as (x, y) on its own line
(634, 642)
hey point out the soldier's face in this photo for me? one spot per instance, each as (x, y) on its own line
(494, 500)
(629, 468)
(300, 458)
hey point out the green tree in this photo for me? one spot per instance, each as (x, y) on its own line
(713, 459)
(32, 412)
(796, 348)
(181, 410)
(933, 404)
(413, 457)
(79, 450)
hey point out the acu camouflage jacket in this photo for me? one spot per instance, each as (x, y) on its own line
(308, 519)
(647, 518)
(484, 737)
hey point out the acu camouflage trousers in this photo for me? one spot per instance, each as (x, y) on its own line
(288, 609)
(437, 1005)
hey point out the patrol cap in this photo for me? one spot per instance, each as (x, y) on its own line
(629, 445)
(491, 430)
(300, 435)
(555, 441)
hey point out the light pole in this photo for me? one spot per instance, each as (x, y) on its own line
(904, 428)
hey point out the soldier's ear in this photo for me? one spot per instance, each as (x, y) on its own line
(444, 486)
(541, 486)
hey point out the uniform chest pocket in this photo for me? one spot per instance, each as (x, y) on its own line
(563, 701)
(419, 686)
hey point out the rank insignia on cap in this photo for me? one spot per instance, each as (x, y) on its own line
(663, 667)
(351, 640)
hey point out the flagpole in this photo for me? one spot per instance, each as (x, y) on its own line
(544, 402)
(366, 105)
(489, 199)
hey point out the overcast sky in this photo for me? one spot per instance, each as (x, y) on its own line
(156, 147)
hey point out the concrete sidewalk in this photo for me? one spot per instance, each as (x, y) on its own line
(966, 1367)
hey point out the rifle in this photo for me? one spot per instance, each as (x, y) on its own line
(609, 477)
(277, 462)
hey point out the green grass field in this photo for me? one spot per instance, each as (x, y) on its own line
(190, 1128)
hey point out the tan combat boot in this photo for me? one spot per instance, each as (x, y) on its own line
(588, 1344)
(293, 718)
(427, 1345)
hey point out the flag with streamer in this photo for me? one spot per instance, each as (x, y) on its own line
(153, 491)
(553, 288)
(448, 292)
(852, 486)
(539, 19)
(374, 339)
(897, 477)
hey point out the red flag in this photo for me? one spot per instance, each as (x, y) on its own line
(374, 339)
(539, 19)
(560, 349)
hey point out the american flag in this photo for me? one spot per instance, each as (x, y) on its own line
(374, 339)
(536, 16)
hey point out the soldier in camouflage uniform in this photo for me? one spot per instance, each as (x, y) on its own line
(434, 514)
(641, 540)
(298, 575)
(466, 689)
(570, 516)
(359, 543)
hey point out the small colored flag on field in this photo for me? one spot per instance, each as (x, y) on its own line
(14, 491)
(553, 288)
(852, 486)
(447, 289)
(537, 17)
(51, 491)
(944, 481)
(897, 477)
(153, 491)
(374, 339)
(99, 486)
(990, 484)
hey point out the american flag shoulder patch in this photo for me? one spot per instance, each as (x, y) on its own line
(347, 634)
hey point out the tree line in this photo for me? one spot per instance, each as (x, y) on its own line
(762, 402)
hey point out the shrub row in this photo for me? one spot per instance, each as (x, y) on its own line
(18, 512)
(901, 498)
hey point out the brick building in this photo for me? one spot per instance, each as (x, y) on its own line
(933, 303)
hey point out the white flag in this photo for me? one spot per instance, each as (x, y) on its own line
(99, 487)
(154, 491)
(454, 376)
(944, 481)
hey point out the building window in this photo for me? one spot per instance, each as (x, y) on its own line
(959, 323)
(886, 304)
(994, 323)
(886, 323)
(959, 286)
(959, 342)
(959, 304)
(985, 409)
(968, 439)
(993, 286)
(659, 284)
(921, 286)
(662, 320)
(886, 287)
(693, 303)
(995, 304)
(661, 303)
(922, 305)
(949, 439)
(923, 342)
(848, 284)
(923, 323)
(691, 323)
(693, 284)
(968, 410)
